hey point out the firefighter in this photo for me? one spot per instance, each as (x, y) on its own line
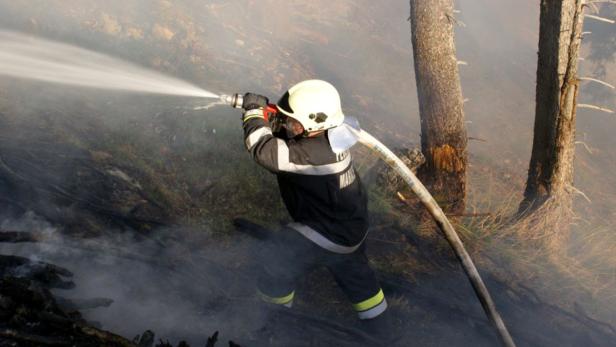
(322, 192)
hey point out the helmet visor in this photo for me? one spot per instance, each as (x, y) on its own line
(284, 106)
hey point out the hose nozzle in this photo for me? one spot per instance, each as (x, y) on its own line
(235, 100)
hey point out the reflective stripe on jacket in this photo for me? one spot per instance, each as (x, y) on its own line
(320, 189)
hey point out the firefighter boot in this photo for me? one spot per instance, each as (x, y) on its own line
(383, 329)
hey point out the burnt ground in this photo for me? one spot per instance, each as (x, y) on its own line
(437, 308)
(152, 247)
(432, 309)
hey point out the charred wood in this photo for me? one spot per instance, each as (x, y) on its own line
(211, 341)
(20, 236)
(146, 339)
(43, 273)
(30, 316)
(83, 304)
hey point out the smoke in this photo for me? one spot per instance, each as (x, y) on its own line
(186, 289)
(186, 284)
(195, 158)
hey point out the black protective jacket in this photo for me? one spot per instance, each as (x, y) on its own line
(320, 189)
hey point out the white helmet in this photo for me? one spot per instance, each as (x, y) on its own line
(313, 103)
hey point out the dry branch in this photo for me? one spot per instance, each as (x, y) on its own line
(597, 81)
(453, 20)
(602, 19)
(603, 2)
(575, 190)
(585, 146)
(607, 110)
(594, 6)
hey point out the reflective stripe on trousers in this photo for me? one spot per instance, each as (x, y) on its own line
(322, 241)
(372, 307)
(286, 300)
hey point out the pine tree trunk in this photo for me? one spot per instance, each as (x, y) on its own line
(443, 133)
(550, 174)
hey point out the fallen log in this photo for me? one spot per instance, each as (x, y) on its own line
(83, 304)
(20, 236)
(30, 339)
(30, 316)
(43, 273)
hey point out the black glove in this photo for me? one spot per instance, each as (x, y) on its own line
(254, 101)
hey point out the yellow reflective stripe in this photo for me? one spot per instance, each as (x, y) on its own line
(253, 116)
(280, 300)
(370, 303)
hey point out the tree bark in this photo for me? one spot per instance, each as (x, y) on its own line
(443, 133)
(550, 174)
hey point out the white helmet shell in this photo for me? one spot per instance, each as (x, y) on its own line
(313, 103)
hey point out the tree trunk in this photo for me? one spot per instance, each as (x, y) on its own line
(443, 134)
(550, 174)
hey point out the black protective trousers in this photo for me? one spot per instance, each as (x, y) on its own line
(288, 255)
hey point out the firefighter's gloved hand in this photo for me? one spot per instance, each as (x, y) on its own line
(254, 101)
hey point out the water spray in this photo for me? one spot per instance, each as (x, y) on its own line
(345, 136)
(28, 57)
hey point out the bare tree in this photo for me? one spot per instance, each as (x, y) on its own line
(443, 134)
(550, 174)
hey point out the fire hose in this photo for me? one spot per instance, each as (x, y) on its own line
(448, 231)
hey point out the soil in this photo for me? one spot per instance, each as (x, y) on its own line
(431, 301)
